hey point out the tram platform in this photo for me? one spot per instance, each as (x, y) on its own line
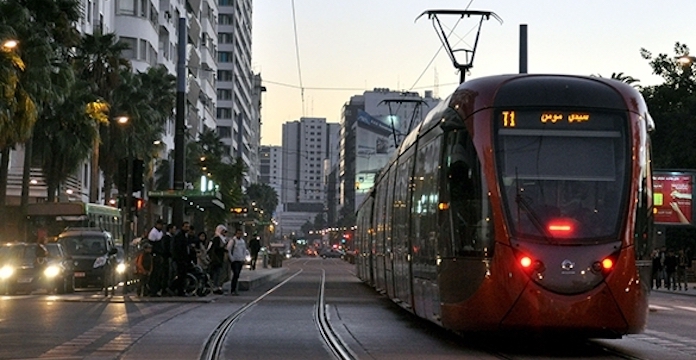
(691, 290)
(248, 280)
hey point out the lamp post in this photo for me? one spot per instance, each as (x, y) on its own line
(10, 44)
(686, 59)
(124, 121)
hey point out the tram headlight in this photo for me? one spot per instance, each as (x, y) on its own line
(6, 271)
(52, 271)
(121, 268)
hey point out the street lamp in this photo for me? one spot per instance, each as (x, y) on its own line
(127, 234)
(10, 44)
(686, 59)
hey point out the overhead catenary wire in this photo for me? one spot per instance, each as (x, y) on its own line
(297, 54)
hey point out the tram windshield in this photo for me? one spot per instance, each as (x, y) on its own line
(562, 172)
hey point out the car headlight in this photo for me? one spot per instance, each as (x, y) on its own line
(121, 268)
(247, 258)
(52, 271)
(6, 271)
(99, 262)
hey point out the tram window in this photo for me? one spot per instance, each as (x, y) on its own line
(564, 178)
(468, 216)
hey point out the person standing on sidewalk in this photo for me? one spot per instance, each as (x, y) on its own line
(254, 248)
(681, 270)
(216, 252)
(237, 249)
(143, 269)
(159, 267)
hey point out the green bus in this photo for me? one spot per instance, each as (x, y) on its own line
(50, 219)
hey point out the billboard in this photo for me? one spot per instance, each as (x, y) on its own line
(672, 192)
(375, 144)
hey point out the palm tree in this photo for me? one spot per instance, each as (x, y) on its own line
(264, 196)
(63, 138)
(44, 29)
(98, 60)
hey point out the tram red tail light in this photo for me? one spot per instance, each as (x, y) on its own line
(526, 262)
(607, 264)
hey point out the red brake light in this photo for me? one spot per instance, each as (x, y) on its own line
(561, 227)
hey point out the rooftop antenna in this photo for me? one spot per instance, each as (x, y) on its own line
(468, 61)
(416, 111)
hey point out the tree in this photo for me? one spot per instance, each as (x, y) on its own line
(265, 197)
(672, 105)
(98, 60)
(35, 74)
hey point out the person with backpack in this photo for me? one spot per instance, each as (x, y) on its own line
(237, 250)
(216, 253)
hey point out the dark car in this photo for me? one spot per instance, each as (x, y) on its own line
(94, 256)
(22, 271)
(331, 253)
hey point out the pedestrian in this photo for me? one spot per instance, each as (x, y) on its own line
(237, 250)
(180, 257)
(216, 252)
(169, 272)
(144, 265)
(254, 248)
(681, 270)
(201, 249)
(159, 267)
(671, 262)
(656, 269)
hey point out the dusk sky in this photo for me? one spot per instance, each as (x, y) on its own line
(347, 47)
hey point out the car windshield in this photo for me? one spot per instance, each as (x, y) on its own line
(84, 245)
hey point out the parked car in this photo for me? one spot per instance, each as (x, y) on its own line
(21, 272)
(94, 255)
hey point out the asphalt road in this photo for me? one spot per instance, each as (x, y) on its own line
(282, 320)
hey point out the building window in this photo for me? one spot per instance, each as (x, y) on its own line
(225, 19)
(224, 56)
(224, 94)
(224, 113)
(224, 132)
(225, 38)
(142, 50)
(225, 2)
(126, 7)
(225, 75)
(132, 43)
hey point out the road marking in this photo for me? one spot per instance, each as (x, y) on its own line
(689, 308)
(657, 307)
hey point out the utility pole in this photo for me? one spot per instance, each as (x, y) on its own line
(180, 124)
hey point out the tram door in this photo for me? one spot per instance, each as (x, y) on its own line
(402, 246)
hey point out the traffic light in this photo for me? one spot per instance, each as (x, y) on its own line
(122, 175)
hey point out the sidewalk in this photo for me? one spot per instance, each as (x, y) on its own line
(691, 291)
(248, 280)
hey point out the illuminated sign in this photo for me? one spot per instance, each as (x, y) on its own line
(672, 198)
(510, 118)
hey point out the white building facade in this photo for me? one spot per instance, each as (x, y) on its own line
(238, 89)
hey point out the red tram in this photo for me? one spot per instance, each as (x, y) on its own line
(521, 203)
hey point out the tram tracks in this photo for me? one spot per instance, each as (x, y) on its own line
(214, 346)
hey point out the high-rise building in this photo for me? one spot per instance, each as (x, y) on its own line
(271, 167)
(307, 145)
(238, 89)
(372, 127)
